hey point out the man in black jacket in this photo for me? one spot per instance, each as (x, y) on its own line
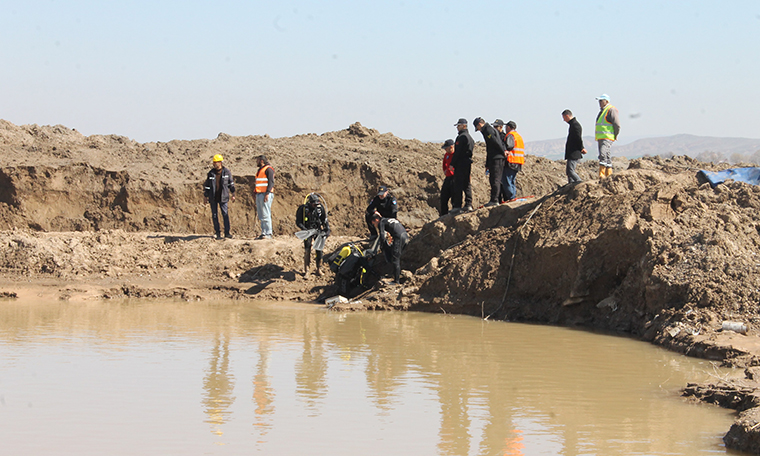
(384, 203)
(495, 158)
(312, 215)
(461, 161)
(219, 188)
(574, 149)
(392, 250)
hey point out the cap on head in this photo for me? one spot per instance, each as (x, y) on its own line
(511, 124)
(498, 123)
(447, 143)
(382, 189)
(477, 121)
(218, 158)
(461, 121)
(603, 96)
(313, 198)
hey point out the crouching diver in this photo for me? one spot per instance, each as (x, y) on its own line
(391, 249)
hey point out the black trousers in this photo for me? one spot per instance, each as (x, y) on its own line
(462, 184)
(495, 173)
(393, 255)
(225, 216)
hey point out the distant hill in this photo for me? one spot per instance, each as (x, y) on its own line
(704, 148)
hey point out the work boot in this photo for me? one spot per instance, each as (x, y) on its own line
(218, 236)
(608, 171)
(467, 209)
(306, 261)
(602, 172)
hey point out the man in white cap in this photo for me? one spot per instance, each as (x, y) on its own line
(607, 129)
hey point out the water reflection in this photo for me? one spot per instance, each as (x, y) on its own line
(378, 383)
(263, 392)
(219, 384)
(311, 367)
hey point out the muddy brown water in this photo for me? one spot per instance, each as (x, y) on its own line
(231, 378)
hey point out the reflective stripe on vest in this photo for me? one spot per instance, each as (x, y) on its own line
(604, 129)
(516, 155)
(261, 180)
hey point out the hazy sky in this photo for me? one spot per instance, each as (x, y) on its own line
(161, 70)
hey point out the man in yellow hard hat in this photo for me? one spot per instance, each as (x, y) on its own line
(219, 188)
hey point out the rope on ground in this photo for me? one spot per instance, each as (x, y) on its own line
(514, 251)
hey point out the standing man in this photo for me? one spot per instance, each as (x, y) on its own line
(264, 195)
(515, 147)
(392, 250)
(384, 204)
(494, 158)
(574, 150)
(219, 188)
(606, 132)
(462, 163)
(498, 124)
(312, 215)
(448, 179)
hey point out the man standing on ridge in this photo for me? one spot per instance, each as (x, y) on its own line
(462, 163)
(448, 179)
(574, 149)
(219, 188)
(515, 147)
(606, 132)
(384, 204)
(498, 124)
(494, 158)
(264, 195)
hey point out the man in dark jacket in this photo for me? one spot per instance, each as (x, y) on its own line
(574, 149)
(219, 188)
(461, 161)
(495, 158)
(498, 124)
(384, 203)
(399, 239)
(312, 215)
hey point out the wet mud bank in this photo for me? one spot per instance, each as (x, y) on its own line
(650, 252)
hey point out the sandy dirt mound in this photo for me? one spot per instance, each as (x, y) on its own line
(651, 252)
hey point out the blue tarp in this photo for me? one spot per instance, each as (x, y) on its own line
(748, 175)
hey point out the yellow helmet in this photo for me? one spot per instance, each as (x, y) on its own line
(218, 158)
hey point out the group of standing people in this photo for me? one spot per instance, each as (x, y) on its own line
(219, 189)
(505, 156)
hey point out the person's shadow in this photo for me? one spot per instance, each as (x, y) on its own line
(263, 276)
(168, 239)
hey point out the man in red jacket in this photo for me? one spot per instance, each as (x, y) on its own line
(448, 180)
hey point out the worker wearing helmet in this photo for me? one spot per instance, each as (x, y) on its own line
(312, 215)
(219, 188)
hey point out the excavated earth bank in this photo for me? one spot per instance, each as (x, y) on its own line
(650, 252)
